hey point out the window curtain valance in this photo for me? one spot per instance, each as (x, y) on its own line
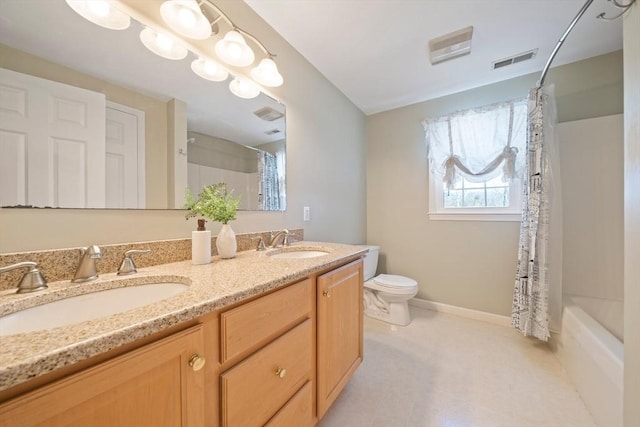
(474, 143)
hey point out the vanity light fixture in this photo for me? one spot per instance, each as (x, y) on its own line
(233, 49)
(100, 12)
(185, 17)
(162, 44)
(244, 88)
(209, 70)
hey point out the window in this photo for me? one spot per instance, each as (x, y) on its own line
(476, 158)
(492, 200)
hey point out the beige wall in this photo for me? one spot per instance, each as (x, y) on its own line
(467, 264)
(632, 217)
(591, 155)
(325, 171)
(220, 153)
(155, 112)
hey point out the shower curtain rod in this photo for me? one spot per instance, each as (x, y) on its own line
(561, 41)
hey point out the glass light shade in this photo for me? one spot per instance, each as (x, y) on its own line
(233, 50)
(244, 88)
(266, 73)
(162, 45)
(209, 70)
(186, 18)
(100, 12)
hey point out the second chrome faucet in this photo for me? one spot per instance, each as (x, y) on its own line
(285, 238)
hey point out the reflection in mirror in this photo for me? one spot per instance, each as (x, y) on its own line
(156, 127)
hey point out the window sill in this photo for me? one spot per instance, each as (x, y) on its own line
(462, 216)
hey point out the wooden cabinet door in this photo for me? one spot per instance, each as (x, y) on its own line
(340, 333)
(151, 386)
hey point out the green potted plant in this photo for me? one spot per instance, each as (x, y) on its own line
(216, 203)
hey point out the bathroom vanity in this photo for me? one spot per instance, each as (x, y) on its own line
(254, 341)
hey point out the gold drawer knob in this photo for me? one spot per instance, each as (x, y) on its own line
(281, 372)
(326, 294)
(196, 362)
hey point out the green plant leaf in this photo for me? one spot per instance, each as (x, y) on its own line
(215, 202)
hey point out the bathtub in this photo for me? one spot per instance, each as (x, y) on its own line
(593, 358)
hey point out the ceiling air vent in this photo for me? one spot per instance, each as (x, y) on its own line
(450, 45)
(272, 131)
(268, 114)
(514, 59)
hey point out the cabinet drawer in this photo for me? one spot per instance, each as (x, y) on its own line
(297, 412)
(255, 323)
(252, 391)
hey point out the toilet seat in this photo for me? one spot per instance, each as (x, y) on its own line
(392, 284)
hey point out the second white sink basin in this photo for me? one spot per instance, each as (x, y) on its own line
(85, 307)
(298, 254)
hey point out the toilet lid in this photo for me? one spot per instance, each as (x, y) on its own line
(393, 281)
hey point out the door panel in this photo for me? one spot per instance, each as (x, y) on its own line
(63, 130)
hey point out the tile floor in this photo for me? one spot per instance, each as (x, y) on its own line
(448, 371)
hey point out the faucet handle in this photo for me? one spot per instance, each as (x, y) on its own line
(288, 239)
(31, 281)
(261, 245)
(127, 266)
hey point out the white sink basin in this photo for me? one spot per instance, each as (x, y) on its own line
(298, 254)
(85, 307)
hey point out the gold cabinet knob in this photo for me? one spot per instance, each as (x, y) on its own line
(196, 362)
(326, 294)
(281, 372)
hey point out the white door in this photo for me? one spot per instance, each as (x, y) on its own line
(51, 143)
(124, 157)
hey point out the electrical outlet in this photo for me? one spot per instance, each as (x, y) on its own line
(306, 213)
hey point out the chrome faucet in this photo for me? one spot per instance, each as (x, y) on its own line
(261, 246)
(87, 268)
(285, 238)
(31, 281)
(127, 266)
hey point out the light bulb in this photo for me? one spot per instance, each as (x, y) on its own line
(209, 70)
(266, 73)
(100, 13)
(164, 42)
(244, 88)
(186, 17)
(233, 50)
(99, 8)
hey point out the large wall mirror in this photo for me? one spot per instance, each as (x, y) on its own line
(119, 126)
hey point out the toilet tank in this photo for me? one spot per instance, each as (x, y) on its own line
(371, 262)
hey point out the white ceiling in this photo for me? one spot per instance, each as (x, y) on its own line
(376, 51)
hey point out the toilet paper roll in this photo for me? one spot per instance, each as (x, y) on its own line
(201, 247)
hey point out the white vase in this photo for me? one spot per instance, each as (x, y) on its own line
(226, 242)
(201, 247)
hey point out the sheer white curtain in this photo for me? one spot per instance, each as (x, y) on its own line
(475, 142)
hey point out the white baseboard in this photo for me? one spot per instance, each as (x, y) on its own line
(460, 311)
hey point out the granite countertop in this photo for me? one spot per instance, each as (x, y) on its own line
(211, 287)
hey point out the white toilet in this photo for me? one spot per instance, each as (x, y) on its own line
(386, 295)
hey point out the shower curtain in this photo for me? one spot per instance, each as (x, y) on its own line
(268, 182)
(539, 275)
